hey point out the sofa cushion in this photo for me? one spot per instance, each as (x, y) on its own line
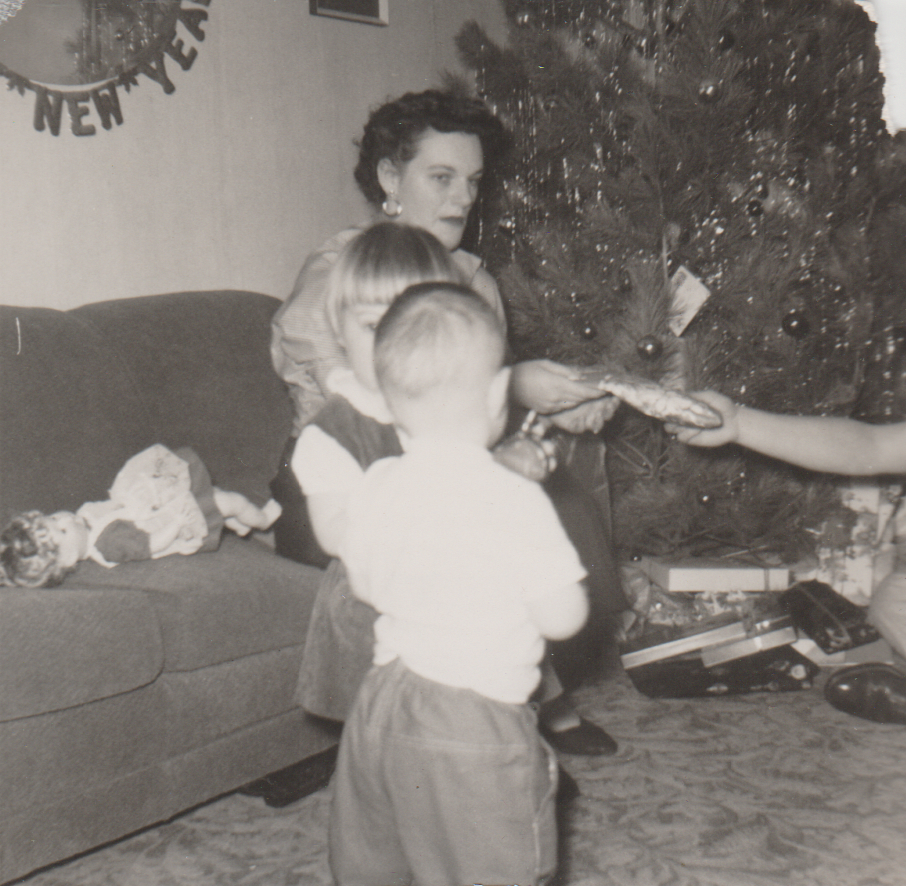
(201, 361)
(73, 751)
(61, 648)
(212, 607)
(205, 704)
(71, 414)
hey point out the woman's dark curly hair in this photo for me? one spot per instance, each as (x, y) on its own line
(393, 130)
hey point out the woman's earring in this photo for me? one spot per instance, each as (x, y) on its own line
(391, 206)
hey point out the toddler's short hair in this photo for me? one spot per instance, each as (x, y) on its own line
(377, 265)
(29, 554)
(433, 335)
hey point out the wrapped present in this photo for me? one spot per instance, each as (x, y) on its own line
(721, 638)
(782, 669)
(827, 617)
(719, 575)
(785, 635)
(879, 651)
(854, 554)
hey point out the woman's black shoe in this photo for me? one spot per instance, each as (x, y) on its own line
(871, 691)
(586, 739)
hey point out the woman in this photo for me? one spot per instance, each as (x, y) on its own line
(421, 162)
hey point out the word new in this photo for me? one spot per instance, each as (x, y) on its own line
(105, 97)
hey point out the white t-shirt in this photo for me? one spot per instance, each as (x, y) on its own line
(449, 546)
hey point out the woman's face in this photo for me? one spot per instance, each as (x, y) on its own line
(438, 186)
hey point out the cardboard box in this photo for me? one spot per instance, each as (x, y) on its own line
(653, 647)
(714, 655)
(879, 651)
(700, 574)
(830, 619)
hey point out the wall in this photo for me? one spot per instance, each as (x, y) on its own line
(231, 179)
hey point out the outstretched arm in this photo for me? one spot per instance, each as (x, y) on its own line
(549, 387)
(819, 443)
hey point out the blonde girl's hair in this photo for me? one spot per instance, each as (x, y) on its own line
(377, 265)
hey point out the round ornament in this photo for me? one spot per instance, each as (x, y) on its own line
(795, 324)
(710, 90)
(726, 41)
(649, 347)
(589, 332)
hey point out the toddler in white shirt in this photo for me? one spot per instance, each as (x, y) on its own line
(442, 775)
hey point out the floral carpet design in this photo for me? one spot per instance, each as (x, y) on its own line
(753, 790)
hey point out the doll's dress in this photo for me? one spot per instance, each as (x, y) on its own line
(161, 503)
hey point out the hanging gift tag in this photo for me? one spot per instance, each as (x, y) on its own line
(689, 294)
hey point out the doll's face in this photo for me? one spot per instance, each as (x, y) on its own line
(70, 533)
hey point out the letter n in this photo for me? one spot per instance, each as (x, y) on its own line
(107, 104)
(48, 107)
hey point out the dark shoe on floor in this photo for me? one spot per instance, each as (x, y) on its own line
(567, 788)
(295, 782)
(587, 739)
(871, 691)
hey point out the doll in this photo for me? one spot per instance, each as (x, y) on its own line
(161, 503)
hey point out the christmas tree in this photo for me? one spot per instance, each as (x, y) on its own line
(703, 193)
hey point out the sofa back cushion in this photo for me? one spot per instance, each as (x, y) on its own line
(81, 391)
(68, 412)
(201, 364)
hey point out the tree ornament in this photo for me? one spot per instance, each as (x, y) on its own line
(589, 332)
(507, 223)
(525, 18)
(673, 234)
(705, 500)
(795, 324)
(649, 347)
(898, 336)
(726, 41)
(710, 90)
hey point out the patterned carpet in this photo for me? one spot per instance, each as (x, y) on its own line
(754, 790)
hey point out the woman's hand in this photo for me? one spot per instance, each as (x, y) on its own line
(589, 416)
(728, 432)
(549, 387)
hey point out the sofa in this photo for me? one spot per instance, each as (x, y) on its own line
(132, 693)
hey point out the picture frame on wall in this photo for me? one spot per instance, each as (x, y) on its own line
(370, 12)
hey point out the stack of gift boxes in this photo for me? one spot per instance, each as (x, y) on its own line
(715, 627)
